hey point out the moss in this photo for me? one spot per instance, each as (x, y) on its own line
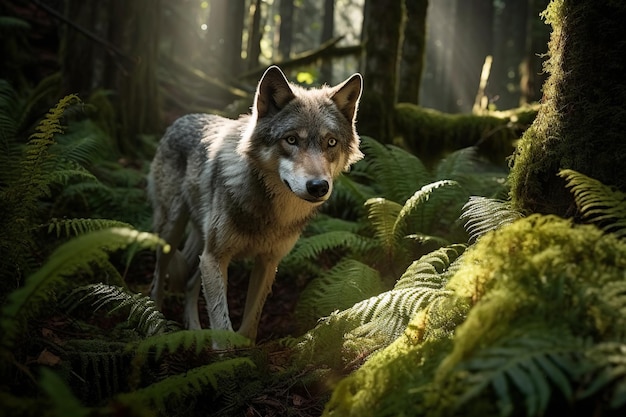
(582, 121)
(430, 134)
(529, 279)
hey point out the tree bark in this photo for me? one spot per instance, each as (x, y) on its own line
(285, 34)
(582, 121)
(328, 29)
(382, 31)
(412, 55)
(253, 50)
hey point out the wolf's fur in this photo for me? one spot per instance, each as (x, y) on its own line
(247, 187)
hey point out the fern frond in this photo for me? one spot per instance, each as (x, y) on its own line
(416, 201)
(598, 203)
(75, 227)
(312, 246)
(399, 183)
(457, 165)
(608, 373)
(177, 387)
(434, 266)
(532, 362)
(382, 214)
(143, 315)
(347, 283)
(483, 215)
(155, 345)
(75, 255)
(388, 314)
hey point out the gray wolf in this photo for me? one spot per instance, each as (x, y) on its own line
(246, 188)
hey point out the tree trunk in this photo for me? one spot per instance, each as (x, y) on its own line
(285, 34)
(582, 121)
(138, 89)
(537, 36)
(76, 53)
(328, 30)
(382, 30)
(508, 54)
(253, 50)
(412, 55)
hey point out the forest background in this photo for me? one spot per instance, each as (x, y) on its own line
(414, 291)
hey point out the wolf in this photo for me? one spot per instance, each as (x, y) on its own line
(223, 189)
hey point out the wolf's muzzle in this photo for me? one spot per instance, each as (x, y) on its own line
(317, 188)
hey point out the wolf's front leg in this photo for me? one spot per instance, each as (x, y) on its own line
(261, 280)
(213, 273)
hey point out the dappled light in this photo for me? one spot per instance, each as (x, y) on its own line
(362, 208)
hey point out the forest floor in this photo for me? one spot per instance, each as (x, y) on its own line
(287, 397)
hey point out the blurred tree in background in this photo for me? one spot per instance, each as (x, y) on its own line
(151, 61)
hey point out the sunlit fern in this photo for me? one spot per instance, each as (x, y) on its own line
(598, 203)
(385, 316)
(483, 215)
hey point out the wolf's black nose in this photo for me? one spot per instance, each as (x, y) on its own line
(317, 188)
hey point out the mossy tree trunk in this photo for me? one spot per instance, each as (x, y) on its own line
(582, 121)
(382, 28)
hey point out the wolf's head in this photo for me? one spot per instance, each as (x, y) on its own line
(302, 139)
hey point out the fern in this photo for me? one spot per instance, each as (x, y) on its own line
(75, 227)
(69, 258)
(310, 247)
(598, 203)
(408, 171)
(532, 362)
(483, 215)
(191, 383)
(157, 344)
(386, 316)
(347, 283)
(607, 376)
(143, 315)
(415, 202)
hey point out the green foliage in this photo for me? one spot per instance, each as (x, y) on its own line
(173, 390)
(143, 316)
(396, 224)
(383, 317)
(75, 256)
(483, 215)
(538, 330)
(598, 203)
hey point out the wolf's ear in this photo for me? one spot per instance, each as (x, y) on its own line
(347, 95)
(273, 92)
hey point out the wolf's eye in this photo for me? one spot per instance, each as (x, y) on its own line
(332, 142)
(292, 140)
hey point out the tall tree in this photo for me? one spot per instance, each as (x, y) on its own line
(382, 29)
(473, 39)
(582, 121)
(285, 34)
(328, 30)
(225, 26)
(510, 25)
(253, 49)
(412, 55)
